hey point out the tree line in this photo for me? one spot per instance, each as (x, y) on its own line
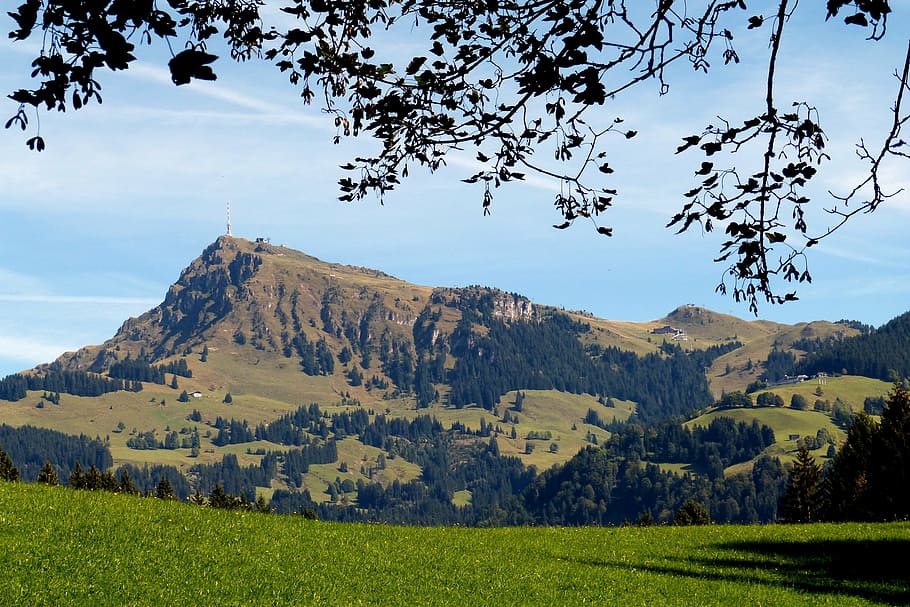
(77, 383)
(134, 369)
(616, 482)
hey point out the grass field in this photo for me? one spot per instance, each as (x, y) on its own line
(62, 547)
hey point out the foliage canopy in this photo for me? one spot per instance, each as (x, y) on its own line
(507, 80)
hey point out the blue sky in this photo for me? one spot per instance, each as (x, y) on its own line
(97, 227)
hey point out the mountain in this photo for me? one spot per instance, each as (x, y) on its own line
(284, 372)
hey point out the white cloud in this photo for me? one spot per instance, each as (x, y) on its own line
(266, 110)
(31, 351)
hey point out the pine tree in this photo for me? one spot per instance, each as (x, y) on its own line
(519, 401)
(48, 475)
(802, 501)
(164, 491)
(889, 477)
(263, 506)
(8, 470)
(126, 483)
(197, 499)
(228, 399)
(77, 478)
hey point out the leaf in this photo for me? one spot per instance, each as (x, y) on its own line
(857, 19)
(26, 19)
(605, 230)
(689, 142)
(189, 64)
(415, 65)
(711, 147)
(756, 21)
(705, 168)
(36, 143)
(562, 226)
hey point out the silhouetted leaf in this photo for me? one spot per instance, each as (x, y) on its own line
(857, 19)
(189, 64)
(689, 142)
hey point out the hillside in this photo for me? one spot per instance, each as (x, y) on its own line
(277, 329)
(111, 550)
(265, 355)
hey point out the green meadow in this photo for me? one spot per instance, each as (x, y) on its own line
(64, 547)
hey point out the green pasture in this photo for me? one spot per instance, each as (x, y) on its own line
(783, 420)
(63, 547)
(851, 389)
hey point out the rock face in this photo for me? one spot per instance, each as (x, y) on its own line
(512, 307)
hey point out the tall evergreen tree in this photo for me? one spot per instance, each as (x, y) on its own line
(164, 491)
(48, 475)
(802, 500)
(8, 470)
(869, 477)
(889, 475)
(126, 483)
(77, 477)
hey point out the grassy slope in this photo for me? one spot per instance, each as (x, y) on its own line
(60, 547)
(786, 421)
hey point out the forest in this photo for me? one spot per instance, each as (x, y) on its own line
(503, 490)
(617, 482)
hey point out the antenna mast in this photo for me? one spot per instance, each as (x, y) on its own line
(228, 218)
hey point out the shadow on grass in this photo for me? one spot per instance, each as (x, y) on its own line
(873, 570)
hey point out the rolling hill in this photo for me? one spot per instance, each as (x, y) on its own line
(252, 336)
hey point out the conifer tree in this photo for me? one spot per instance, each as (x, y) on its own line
(869, 476)
(198, 499)
(126, 483)
(889, 477)
(77, 478)
(164, 491)
(8, 470)
(48, 475)
(802, 501)
(263, 506)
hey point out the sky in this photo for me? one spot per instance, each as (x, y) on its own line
(95, 228)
